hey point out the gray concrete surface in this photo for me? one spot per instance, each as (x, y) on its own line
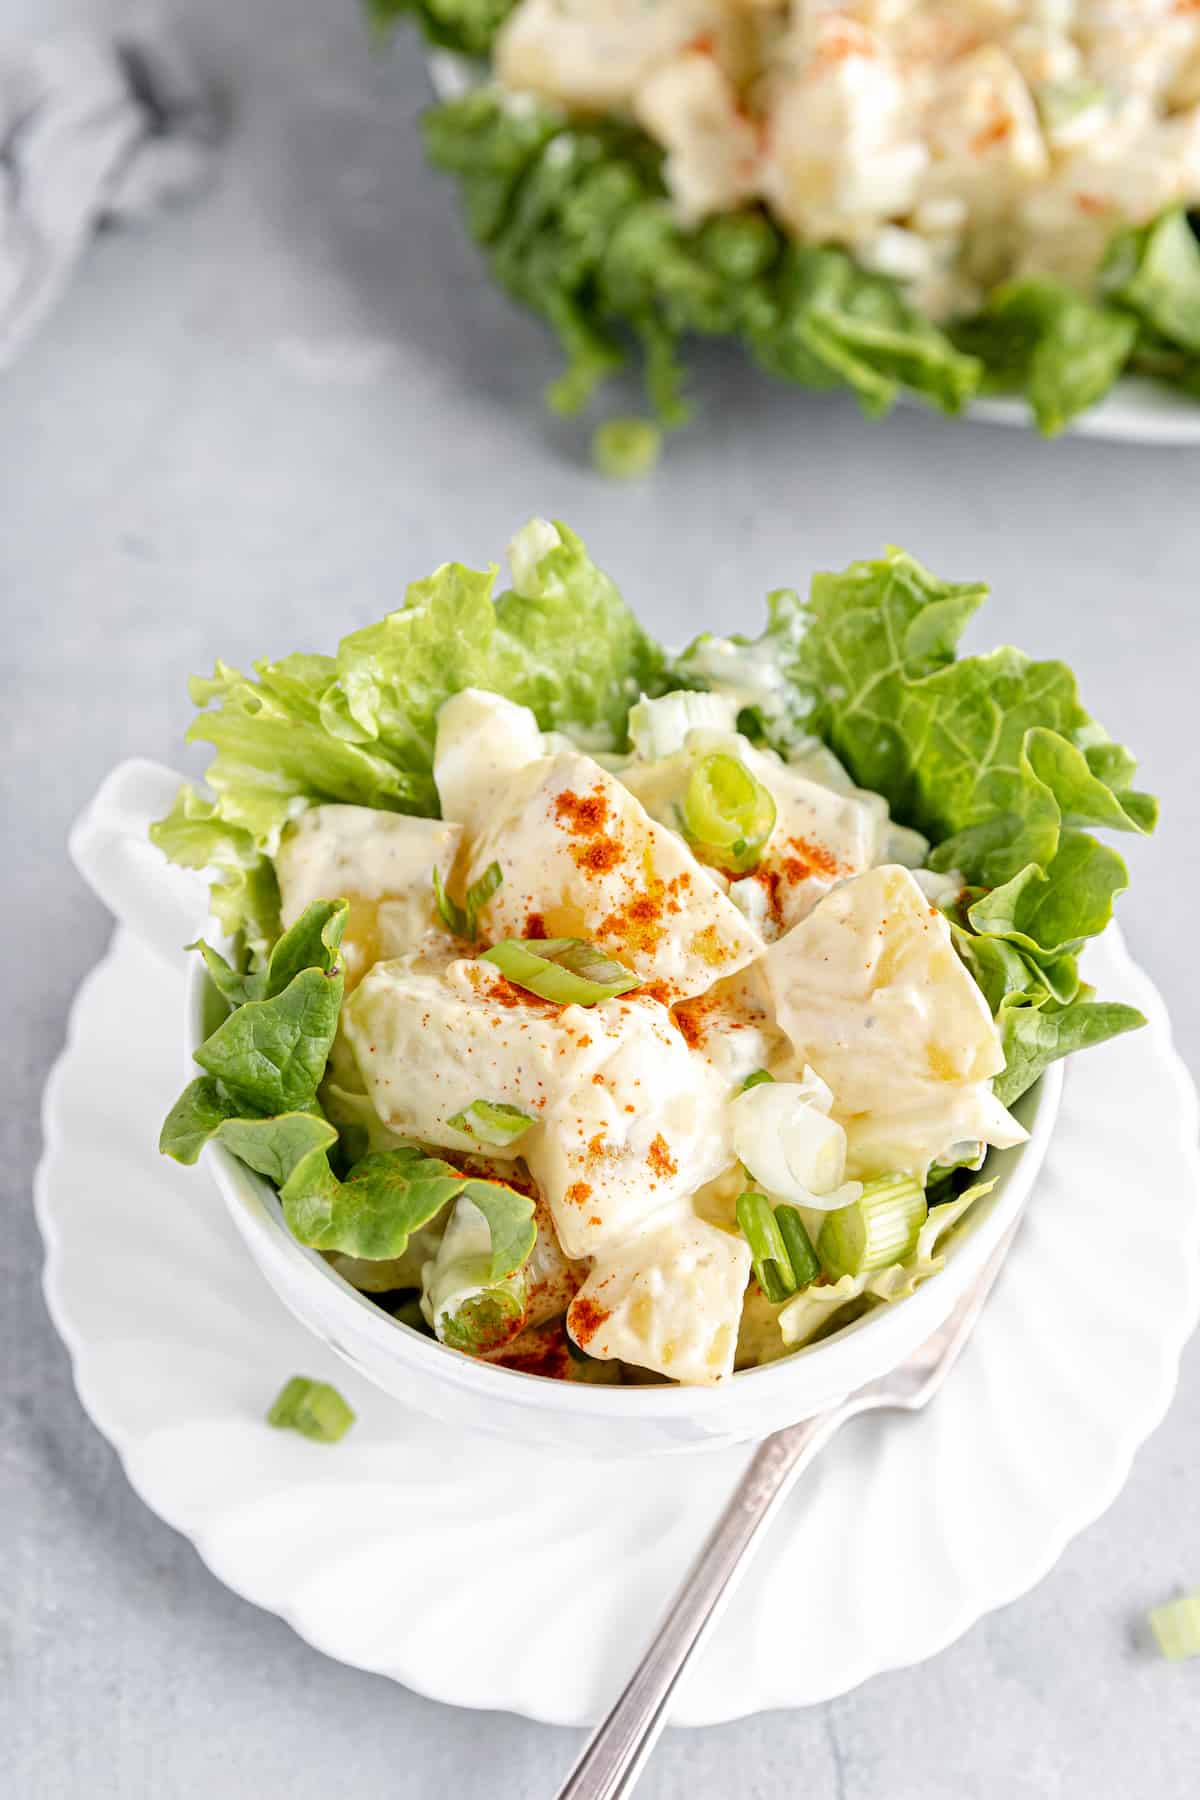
(242, 433)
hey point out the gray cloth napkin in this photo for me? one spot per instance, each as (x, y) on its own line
(92, 132)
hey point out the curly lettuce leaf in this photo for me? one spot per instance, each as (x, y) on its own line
(196, 1117)
(993, 758)
(571, 650)
(243, 895)
(359, 727)
(1035, 1035)
(989, 756)
(830, 323)
(1042, 338)
(1050, 913)
(1154, 271)
(389, 1195)
(372, 1213)
(269, 1055)
(996, 760)
(264, 1061)
(277, 1147)
(466, 25)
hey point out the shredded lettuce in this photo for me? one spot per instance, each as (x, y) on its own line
(992, 757)
(359, 726)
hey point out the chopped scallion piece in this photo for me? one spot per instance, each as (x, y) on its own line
(485, 1320)
(1177, 1627)
(493, 1122)
(626, 449)
(568, 971)
(452, 915)
(727, 815)
(806, 1264)
(759, 1227)
(878, 1229)
(463, 922)
(480, 892)
(312, 1408)
(757, 1078)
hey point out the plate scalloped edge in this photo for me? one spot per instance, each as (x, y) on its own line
(678, 1521)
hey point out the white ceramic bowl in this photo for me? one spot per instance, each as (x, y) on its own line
(164, 906)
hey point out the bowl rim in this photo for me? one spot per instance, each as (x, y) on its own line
(326, 1290)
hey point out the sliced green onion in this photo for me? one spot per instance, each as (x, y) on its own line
(480, 892)
(492, 1122)
(1177, 1627)
(806, 1264)
(626, 449)
(312, 1408)
(757, 1079)
(485, 1320)
(878, 1229)
(452, 915)
(568, 971)
(463, 922)
(759, 1227)
(727, 815)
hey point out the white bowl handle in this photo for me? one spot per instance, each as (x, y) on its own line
(161, 904)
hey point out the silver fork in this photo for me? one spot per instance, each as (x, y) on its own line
(619, 1749)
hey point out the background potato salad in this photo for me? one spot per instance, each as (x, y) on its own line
(951, 143)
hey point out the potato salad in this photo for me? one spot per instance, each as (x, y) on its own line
(951, 143)
(940, 196)
(644, 1042)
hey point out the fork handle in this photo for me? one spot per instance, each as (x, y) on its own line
(618, 1749)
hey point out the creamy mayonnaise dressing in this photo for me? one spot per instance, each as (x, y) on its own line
(381, 862)
(871, 993)
(949, 143)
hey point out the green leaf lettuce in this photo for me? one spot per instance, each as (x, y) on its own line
(993, 757)
(359, 726)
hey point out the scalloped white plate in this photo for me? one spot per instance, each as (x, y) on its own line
(383, 1551)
